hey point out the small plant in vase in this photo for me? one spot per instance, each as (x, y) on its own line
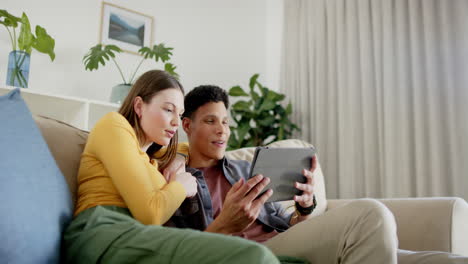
(99, 54)
(22, 46)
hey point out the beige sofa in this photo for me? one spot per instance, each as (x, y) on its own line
(423, 223)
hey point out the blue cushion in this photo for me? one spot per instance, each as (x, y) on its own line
(35, 203)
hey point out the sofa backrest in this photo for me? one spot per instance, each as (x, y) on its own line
(66, 143)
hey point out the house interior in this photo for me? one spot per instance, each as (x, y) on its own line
(379, 88)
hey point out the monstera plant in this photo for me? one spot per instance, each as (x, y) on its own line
(260, 117)
(100, 54)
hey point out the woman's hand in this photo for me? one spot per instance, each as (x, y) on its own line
(306, 199)
(177, 165)
(186, 179)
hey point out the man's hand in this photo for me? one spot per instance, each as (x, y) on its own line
(241, 208)
(306, 199)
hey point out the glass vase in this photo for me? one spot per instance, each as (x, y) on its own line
(18, 69)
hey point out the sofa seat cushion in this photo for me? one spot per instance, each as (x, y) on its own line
(35, 203)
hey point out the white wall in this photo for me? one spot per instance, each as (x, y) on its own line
(217, 42)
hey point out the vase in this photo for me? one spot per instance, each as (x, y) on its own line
(119, 92)
(18, 69)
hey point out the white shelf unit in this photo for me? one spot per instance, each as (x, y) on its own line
(78, 112)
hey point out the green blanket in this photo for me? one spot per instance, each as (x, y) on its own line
(109, 234)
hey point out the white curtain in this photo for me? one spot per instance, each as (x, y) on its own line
(380, 87)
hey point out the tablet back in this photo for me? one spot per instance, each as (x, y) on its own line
(284, 167)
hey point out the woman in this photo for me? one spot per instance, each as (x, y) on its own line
(123, 197)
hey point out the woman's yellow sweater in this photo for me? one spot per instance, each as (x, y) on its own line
(115, 171)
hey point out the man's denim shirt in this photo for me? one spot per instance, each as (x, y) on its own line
(197, 212)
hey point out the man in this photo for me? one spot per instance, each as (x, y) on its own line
(363, 231)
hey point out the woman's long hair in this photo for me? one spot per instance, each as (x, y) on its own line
(147, 86)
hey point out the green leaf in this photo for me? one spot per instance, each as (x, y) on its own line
(99, 54)
(241, 106)
(263, 90)
(44, 43)
(251, 143)
(26, 38)
(295, 127)
(281, 133)
(289, 109)
(249, 114)
(267, 121)
(259, 102)
(254, 95)
(9, 20)
(158, 52)
(233, 115)
(243, 129)
(279, 110)
(271, 96)
(285, 120)
(267, 105)
(275, 96)
(233, 143)
(170, 68)
(237, 91)
(253, 81)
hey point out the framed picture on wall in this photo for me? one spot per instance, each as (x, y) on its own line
(128, 29)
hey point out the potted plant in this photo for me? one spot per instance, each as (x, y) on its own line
(19, 57)
(260, 119)
(99, 54)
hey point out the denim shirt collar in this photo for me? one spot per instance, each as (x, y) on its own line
(226, 165)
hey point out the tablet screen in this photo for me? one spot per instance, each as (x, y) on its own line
(284, 167)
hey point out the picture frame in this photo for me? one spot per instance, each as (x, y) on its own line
(128, 29)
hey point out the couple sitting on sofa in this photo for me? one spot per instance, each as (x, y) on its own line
(125, 195)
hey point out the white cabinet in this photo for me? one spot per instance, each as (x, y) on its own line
(78, 112)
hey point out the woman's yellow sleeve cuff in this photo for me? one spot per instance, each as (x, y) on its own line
(178, 190)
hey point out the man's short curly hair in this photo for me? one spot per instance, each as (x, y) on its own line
(202, 95)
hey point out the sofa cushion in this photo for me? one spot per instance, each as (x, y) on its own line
(35, 203)
(66, 143)
(247, 154)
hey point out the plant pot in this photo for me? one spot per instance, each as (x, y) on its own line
(119, 92)
(18, 69)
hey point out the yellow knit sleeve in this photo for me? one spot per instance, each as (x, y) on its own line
(182, 147)
(144, 189)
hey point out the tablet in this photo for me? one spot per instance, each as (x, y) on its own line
(284, 167)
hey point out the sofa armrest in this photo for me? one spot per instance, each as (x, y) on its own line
(334, 203)
(428, 223)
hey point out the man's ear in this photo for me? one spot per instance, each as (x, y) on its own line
(138, 105)
(186, 123)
